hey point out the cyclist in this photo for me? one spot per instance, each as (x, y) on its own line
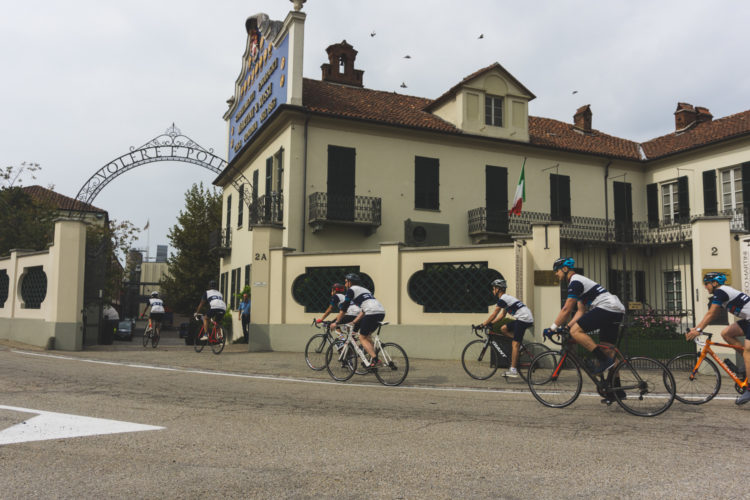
(605, 313)
(337, 297)
(522, 319)
(157, 310)
(216, 307)
(370, 315)
(736, 303)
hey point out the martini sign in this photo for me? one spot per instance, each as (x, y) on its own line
(261, 87)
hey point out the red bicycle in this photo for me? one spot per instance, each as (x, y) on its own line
(215, 338)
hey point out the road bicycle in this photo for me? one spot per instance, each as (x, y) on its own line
(317, 348)
(642, 386)
(216, 338)
(343, 356)
(482, 357)
(152, 333)
(697, 378)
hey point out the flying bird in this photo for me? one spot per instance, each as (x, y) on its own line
(481, 36)
(407, 56)
(372, 34)
(575, 92)
(403, 85)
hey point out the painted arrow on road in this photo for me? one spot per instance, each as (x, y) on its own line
(51, 425)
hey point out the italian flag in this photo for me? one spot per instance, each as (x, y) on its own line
(520, 196)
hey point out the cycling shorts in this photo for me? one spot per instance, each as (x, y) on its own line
(518, 328)
(745, 326)
(349, 319)
(607, 322)
(157, 317)
(216, 314)
(370, 323)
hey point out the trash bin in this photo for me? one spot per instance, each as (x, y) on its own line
(184, 330)
(192, 331)
(107, 331)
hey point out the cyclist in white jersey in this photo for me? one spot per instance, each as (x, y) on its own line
(370, 315)
(157, 308)
(736, 303)
(522, 319)
(597, 310)
(216, 307)
(337, 297)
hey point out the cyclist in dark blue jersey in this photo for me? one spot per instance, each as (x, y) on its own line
(597, 310)
(337, 297)
(736, 303)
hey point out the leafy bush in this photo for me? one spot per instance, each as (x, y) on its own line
(655, 326)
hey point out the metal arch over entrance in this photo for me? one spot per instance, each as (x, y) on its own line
(172, 145)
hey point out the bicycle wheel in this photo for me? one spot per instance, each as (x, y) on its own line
(477, 360)
(554, 379)
(217, 340)
(155, 336)
(341, 369)
(698, 389)
(395, 364)
(526, 353)
(646, 387)
(145, 337)
(200, 344)
(315, 351)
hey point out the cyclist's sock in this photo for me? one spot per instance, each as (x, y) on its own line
(599, 354)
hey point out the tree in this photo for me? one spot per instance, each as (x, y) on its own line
(193, 264)
(24, 222)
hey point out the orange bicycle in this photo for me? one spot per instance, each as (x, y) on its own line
(697, 378)
(215, 339)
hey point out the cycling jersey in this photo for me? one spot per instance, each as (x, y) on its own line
(592, 294)
(732, 300)
(338, 298)
(362, 297)
(516, 308)
(157, 305)
(215, 300)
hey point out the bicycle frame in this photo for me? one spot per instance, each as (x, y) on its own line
(212, 334)
(706, 350)
(489, 341)
(376, 344)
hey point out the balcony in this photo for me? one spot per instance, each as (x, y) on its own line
(220, 241)
(343, 210)
(267, 210)
(487, 225)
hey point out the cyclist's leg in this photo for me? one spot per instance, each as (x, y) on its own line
(369, 324)
(608, 323)
(730, 334)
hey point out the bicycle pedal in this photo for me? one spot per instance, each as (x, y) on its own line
(606, 401)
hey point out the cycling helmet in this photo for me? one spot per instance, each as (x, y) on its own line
(720, 278)
(568, 262)
(499, 284)
(154, 294)
(354, 278)
(338, 288)
(212, 284)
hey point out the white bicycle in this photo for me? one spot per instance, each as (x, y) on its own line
(344, 354)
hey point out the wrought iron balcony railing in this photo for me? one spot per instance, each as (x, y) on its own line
(220, 241)
(484, 223)
(267, 209)
(344, 210)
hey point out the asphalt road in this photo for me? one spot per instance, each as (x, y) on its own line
(262, 425)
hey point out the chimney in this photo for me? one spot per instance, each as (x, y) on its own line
(582, 119)
(684, 116)
(340, 66)
(704, 115)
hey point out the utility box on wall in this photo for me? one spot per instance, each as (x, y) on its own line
(426, 234)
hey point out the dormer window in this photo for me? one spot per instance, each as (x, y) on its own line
(493, 110)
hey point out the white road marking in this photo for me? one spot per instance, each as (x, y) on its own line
(50, 425)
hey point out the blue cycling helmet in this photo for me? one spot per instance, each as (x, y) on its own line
(720, 278)
(568, 262)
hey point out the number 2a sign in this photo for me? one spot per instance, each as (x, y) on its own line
(260, 256)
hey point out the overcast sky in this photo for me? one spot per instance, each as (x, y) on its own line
(83, 81)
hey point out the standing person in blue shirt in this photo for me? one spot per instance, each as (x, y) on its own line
(736, 303)
(370, 315)
(522, 319)
(597, 310)
(216, 307)
(244, 316)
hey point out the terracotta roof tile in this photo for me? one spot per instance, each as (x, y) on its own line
(58, 200)
(559, 135)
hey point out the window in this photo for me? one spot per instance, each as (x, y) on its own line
(453, 287)
(247, 275)
(670, 202)
(559, 186)
(229, 213)
(223, 284)
(627, 285)
(234, 287)
(493, 110)
(673, 290)
(731, 189)
(239, 206)
(426, 183)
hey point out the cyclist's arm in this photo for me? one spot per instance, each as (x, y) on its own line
(712, 313)
(326, 313)
(579, 312)
(144, 311)
(566, 311)
(200, 306)
(493, 315)
(359, 317)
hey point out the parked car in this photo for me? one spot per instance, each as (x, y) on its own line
(125, 330)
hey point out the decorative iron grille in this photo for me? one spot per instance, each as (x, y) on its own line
(363, 210)
(33, 287)
(480, 221)
(313, 289)
(4, 287)
(268, 209)
(220, 240)
(453, 287)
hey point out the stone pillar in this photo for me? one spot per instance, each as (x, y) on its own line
(264, 238)
(543, 249)
(65, 288)
(388, 290)
(711, 252)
